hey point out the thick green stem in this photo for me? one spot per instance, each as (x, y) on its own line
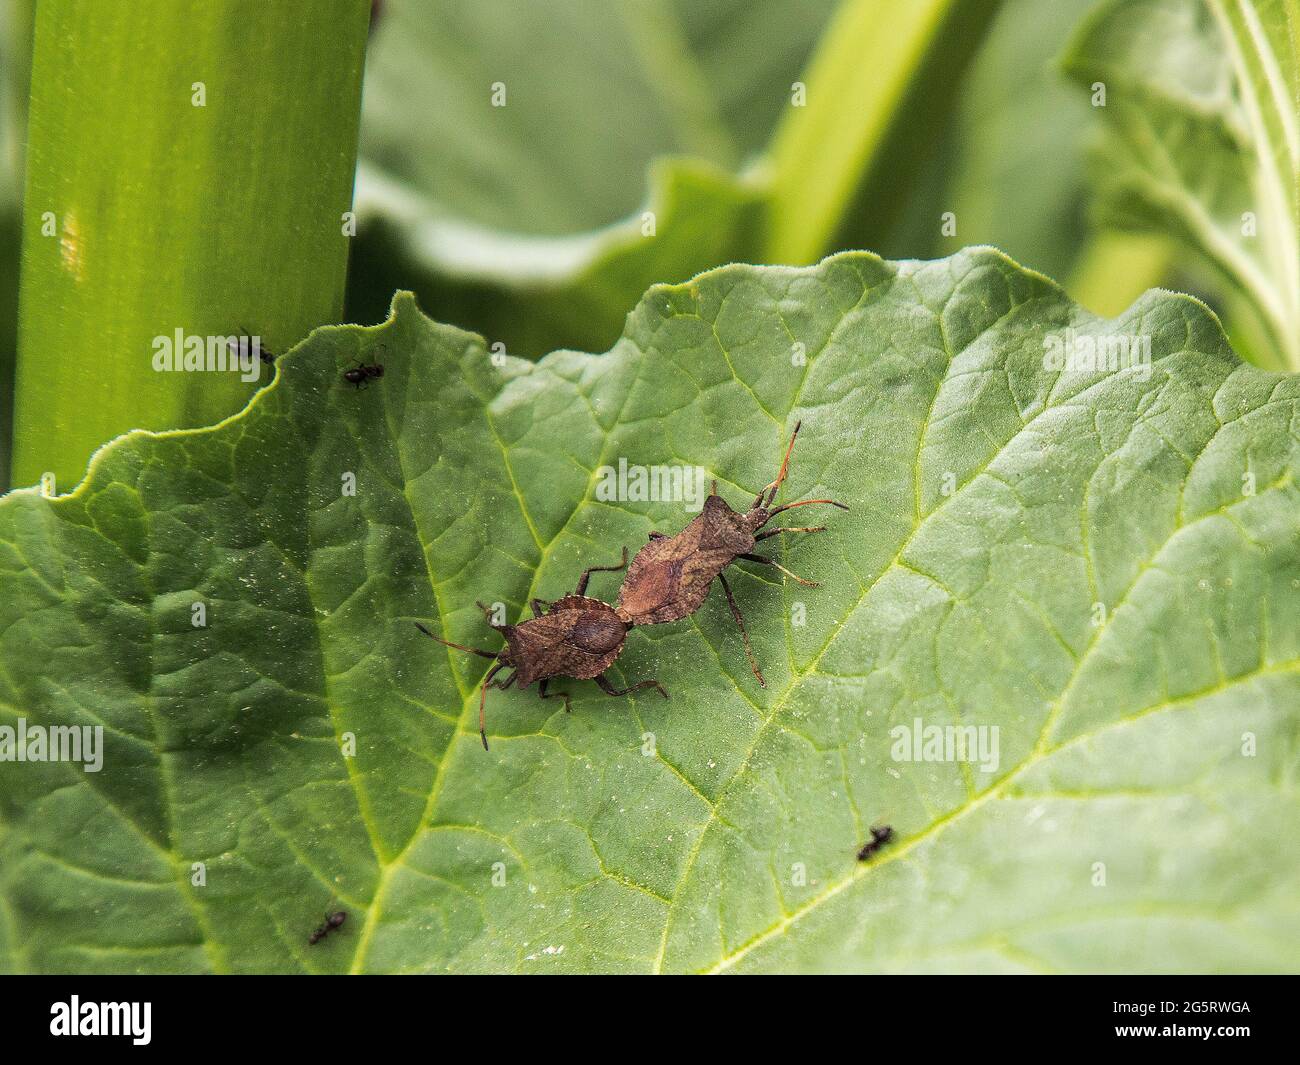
(16, 17)
(190, 166)
(877, 89)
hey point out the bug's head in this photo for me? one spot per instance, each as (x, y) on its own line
(489, 613)
(505, 655)
(756, 516)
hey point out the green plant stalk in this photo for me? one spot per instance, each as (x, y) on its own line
(16, 17)
(1272, 109)
(189, 168)
(880, 64)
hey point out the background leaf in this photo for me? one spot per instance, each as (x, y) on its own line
(996, 504)
(879, 89)
(1203, 106)
(593, 93)
(1020, 125)
(526, 222)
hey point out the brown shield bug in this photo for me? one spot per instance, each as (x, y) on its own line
(670, 577)
(576, 636)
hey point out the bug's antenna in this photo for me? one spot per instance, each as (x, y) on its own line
(785, 465)
(459, 647)
(804, 503)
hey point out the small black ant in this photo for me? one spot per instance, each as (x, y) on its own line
(332, 921)
(361, 374)
(879, 837)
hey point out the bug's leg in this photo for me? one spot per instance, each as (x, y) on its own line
(502, 685)
(785, 465)
(609, 689)
(777, 565)
(586, 574)
(656, 536)
(541, 690)
(539, 606)
(458, 646)
(801, 528)
(482, 702)
(740, 620)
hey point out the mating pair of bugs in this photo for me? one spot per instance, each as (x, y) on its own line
(580, 637)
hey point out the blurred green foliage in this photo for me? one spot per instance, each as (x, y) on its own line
(15, 64)
(637, 142)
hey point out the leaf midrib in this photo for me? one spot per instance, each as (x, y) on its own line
(904, 847)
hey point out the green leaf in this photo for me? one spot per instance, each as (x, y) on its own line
(528, 220)
(555, 112)
(189, 168)
(1102, 565)
(633, 148)
(879, 88)
(1021, 125)
(533, 294)
(1203, 105)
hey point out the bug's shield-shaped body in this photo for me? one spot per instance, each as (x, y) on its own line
(670, 577)
(577, 637)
